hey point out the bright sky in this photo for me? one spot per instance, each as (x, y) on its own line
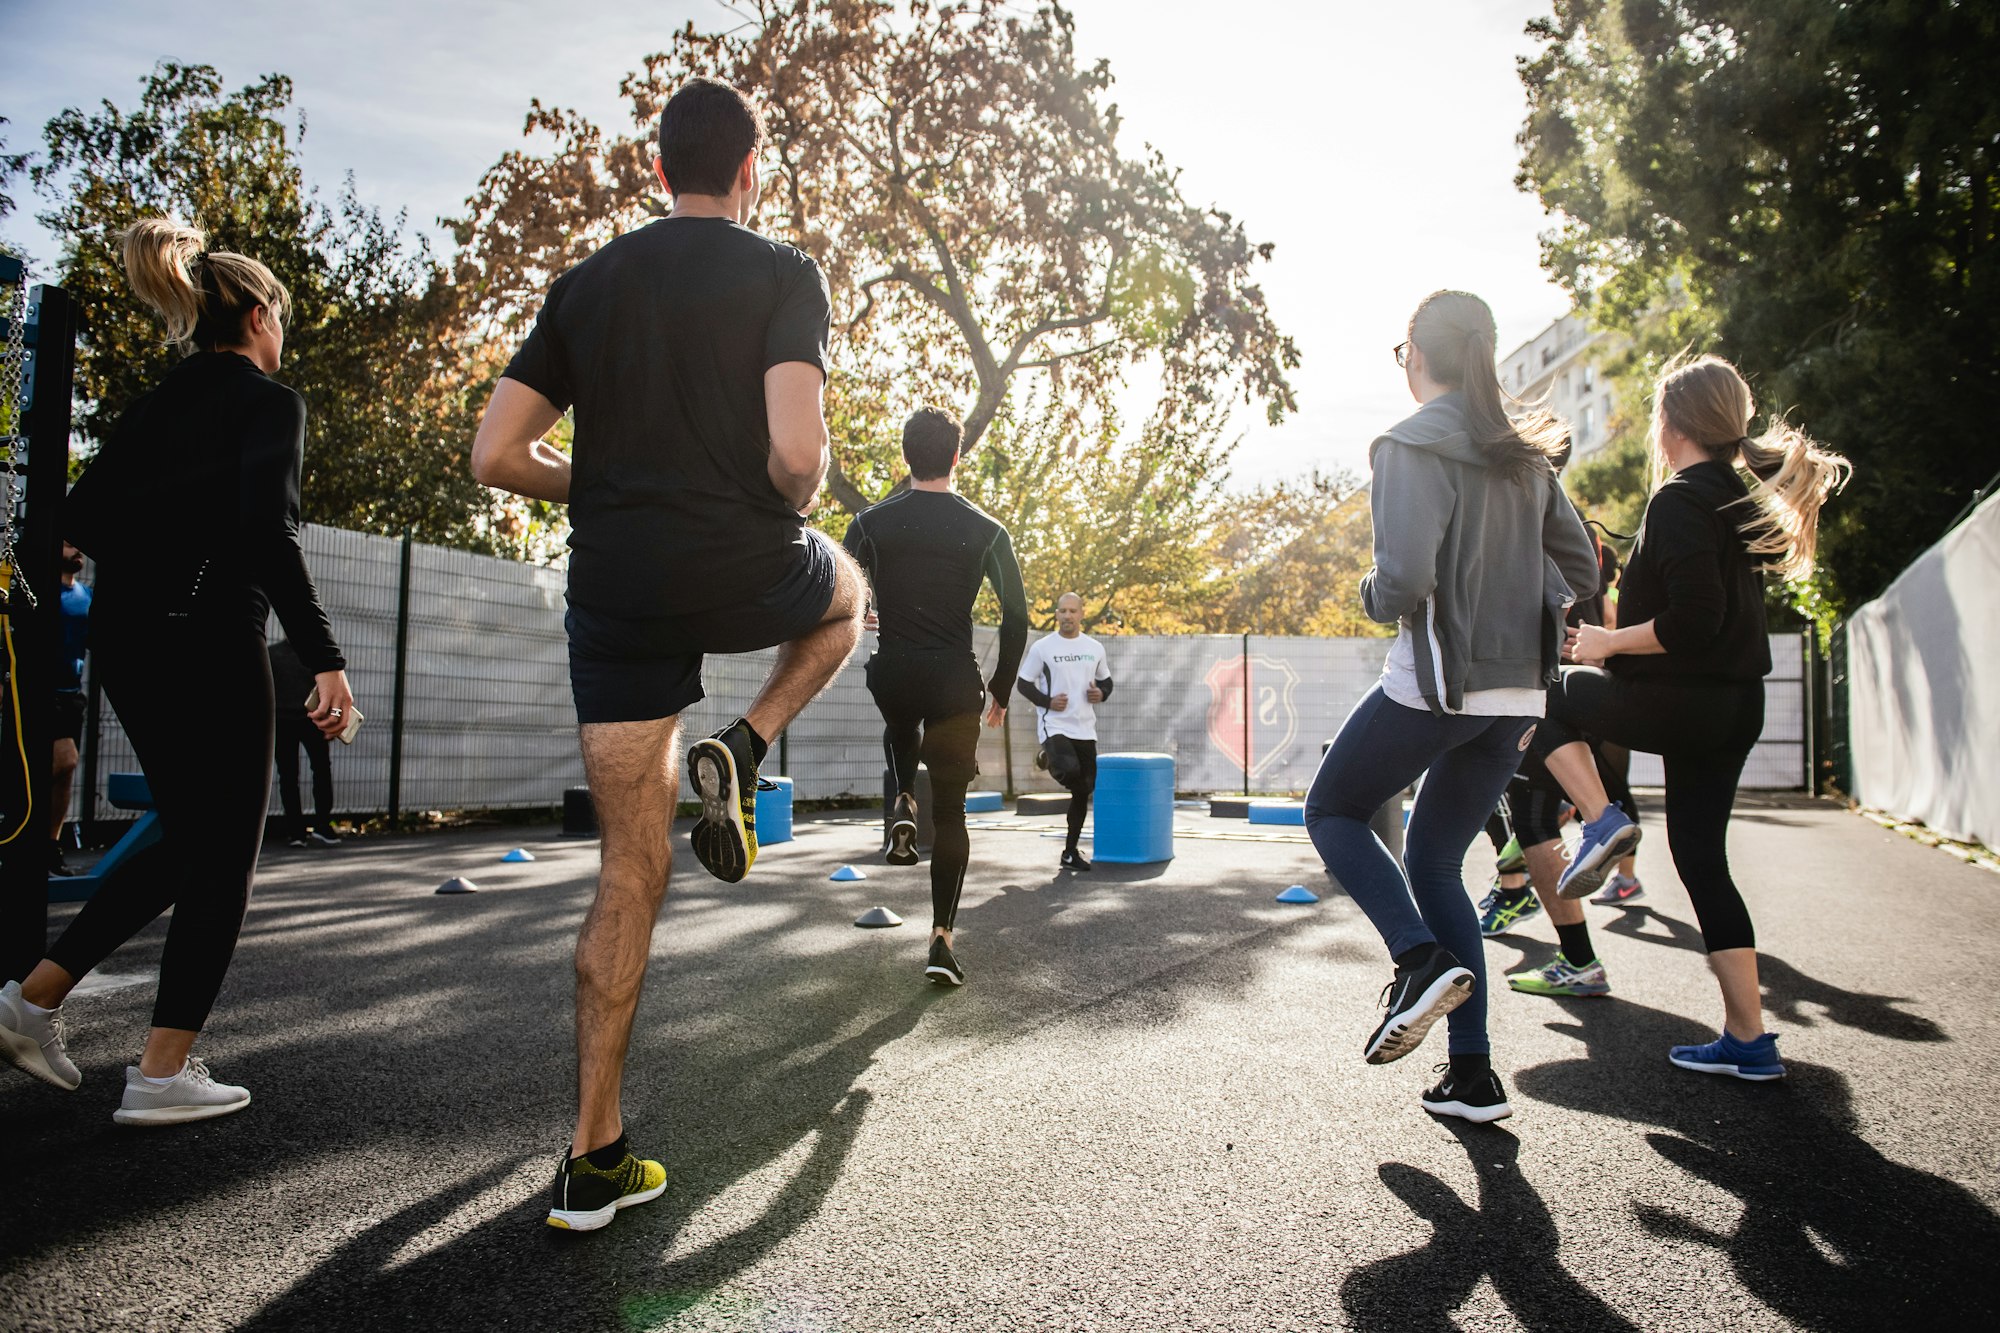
(1374, 144)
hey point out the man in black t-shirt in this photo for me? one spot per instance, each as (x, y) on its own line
(926, 551)
(692, 353)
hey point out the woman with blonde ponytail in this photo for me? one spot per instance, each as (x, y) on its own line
(1683, 675)
(1478, 553)
(191, 511)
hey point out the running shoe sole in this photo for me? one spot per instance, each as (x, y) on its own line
(1402, 1033)
(26, 1054)
(579, 1220)
(1478, 1115)
(1584, 878)
(902, 843)
(177, 1115)
(1731, 1071)
(722, 843)
(943, 976)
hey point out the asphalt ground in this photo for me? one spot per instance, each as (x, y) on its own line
(1147, 1109)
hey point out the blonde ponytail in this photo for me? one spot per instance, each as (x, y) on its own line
(201, 297)
(1706, 401)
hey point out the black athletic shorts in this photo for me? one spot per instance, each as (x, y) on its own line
(939, 690)
(69, 715)
(637, 670)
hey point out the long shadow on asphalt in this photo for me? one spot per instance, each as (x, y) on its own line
(399, 1032)
(1832, 1234)
(1506, 1235)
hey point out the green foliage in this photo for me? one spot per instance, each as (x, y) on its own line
(1807, 188)
(373, 343)
(1288, 559)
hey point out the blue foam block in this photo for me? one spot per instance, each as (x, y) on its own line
(978, 802)
(1298, 893)
(846, 875)
(517, 855)
(1278, 812)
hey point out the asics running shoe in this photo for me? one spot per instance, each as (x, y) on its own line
(1560, 978)
(1480, 1100)
(588, 1196)
(1619, 890)
(943, 968)
(725, 777)
(1432, 986)
(1607, 840)
(1756, 1060)
(1503, 909)
(33, 1040)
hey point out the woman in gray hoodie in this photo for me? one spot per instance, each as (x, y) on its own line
(1478, 553)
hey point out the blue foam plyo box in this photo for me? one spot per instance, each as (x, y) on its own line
(1134, 820)
(984, 802)
(774, 813)
(1278, 812)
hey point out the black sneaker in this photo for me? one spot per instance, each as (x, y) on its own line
(725, 777)
(903, 832)
(588, 1196)
(943, 968)
(1420, 995)
(59, 868)
(1073, 860)
(1481, 1100)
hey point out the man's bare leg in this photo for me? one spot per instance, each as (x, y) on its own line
(808, 664)
(1545, 867)
(633, 771)
(66, 762)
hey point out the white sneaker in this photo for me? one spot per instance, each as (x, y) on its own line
(33, 1042)
(193, 1095)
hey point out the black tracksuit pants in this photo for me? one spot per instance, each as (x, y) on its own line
(930, 700)
(196, 703)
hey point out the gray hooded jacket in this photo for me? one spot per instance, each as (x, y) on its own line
(1478, 569)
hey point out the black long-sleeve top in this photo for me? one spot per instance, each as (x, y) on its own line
(926, 553)
(191, 509)
(1692, 577)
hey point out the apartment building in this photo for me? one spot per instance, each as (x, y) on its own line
(1565, 363)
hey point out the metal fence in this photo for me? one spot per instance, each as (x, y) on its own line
(486, 720)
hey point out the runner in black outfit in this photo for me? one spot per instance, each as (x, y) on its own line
(1686, 667)
(191, 511)
(927, 550)
(692, 354)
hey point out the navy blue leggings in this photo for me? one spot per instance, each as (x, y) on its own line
(1381, 749)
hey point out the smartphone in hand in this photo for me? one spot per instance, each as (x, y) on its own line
(354, 718)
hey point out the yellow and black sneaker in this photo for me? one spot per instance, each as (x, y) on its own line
(725, 777)
(588, 1194)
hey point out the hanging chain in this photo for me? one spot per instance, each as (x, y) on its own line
(14, 386)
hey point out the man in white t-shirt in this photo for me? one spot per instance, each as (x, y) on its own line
(1065, 677)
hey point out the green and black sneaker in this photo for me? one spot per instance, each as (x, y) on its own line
(588, 1195)
(724, 767)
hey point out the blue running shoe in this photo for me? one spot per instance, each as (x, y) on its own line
(1756, 1060)
(1503, 909)
(1607, 840)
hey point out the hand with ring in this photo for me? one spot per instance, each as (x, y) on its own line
(334, 700)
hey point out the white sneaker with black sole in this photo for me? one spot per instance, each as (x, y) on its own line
(1419, 996)
(1480, 1100)
(34, 1041)
(192, 1094)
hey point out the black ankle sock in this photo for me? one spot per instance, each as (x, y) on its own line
(1410, 959)
(1466, 1069)
(1576, 945)
(610, 1155)
(759, 747)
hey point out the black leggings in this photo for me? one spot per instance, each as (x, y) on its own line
(923, 698)
(196, 704)
(1703, 732)
(295, 734)
(1080, 787)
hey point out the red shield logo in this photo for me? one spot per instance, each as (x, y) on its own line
(1251, 718)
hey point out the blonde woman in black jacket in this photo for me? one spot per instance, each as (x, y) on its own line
(191, 511)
